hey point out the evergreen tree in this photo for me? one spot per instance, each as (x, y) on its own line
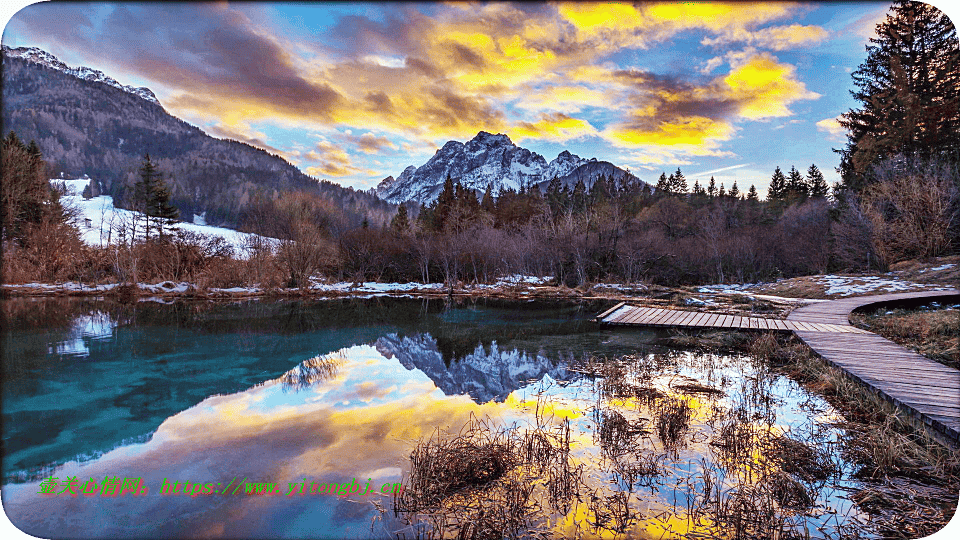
(796, 191)
(663, 184)
(698, 189)
(722, 193)
(425, 218)
(712, 188)
(678, 184)
(909, 89)
(25, 194)
(816, 183)
(153, 198)
(752, 194)
(778, 186)
(400, 222)
(444, 204)
(734, 191)
(488, 204)
(578, 200)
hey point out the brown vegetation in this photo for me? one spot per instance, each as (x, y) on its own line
(934, 333)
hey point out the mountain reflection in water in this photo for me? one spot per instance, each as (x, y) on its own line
(361, 383)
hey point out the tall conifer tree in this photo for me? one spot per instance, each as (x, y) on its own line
(816, 183)
(909, 90)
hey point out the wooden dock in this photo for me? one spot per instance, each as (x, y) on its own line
(625, 315)
(927, 390)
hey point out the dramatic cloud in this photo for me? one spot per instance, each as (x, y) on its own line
(778, 38)
(428, 73)
(331, 161)
(554, 127)
(694, 119)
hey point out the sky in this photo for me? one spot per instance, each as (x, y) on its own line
(352, 92)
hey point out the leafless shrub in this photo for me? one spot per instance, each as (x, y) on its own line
(914, 208)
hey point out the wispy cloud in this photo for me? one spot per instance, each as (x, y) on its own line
(720, 170)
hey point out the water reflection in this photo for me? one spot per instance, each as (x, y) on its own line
(666, 441)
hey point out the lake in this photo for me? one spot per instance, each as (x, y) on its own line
(656, 442)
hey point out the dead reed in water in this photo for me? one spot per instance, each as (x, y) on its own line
(488, 481)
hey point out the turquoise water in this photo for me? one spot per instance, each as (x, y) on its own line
(336, 391)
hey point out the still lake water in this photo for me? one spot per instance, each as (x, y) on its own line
(330, 391)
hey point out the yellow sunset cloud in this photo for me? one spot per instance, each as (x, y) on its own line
(555, 127)
(764, 88)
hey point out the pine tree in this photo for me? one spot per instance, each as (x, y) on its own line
(909, 89)
(698, 189)
(778, 186)
(400, 222)
(796, 191)
(678, 184)
(752, 194)
(578, 200)
(722, 193)
(152, 198)
(488, 204)
(816, 183)
(444, 204)
(663, 184)
(734, 191)
(712, 188)
(25, 194)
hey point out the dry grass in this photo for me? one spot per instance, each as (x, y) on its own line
(889, 449)
(922, 271)
(488, 481)
(934, 333)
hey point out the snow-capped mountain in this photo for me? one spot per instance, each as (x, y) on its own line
(39, 56)
(486, 374)
(486, 160)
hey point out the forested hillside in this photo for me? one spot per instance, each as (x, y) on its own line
(85, 127)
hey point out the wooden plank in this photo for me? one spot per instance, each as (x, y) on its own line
(657, 317)
(686, 319)
(698, 321)
(621, 316)
(711, 320)
(609, 311)
(725, 321)
(638, 315)
(674, 316)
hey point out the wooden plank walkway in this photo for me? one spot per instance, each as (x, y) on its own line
(926, 389)
(625, 315)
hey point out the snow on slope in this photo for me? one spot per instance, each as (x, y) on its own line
(39, 56)
(99, 220)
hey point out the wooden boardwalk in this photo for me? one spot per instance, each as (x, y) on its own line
(625, 315)
(926, 389)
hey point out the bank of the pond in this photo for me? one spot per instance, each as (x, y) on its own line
(911, 480)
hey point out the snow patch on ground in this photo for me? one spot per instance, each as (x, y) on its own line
(727, 288)
(850, 285)
(100, 221)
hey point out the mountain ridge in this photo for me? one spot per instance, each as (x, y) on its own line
(92, 127)
(490, 161)
(39, 56)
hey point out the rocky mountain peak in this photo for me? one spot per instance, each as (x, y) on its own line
(489, 139)
(486, 161)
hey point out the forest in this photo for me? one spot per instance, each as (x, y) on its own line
(899, 199)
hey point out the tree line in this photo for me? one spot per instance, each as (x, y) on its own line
(898, 198)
